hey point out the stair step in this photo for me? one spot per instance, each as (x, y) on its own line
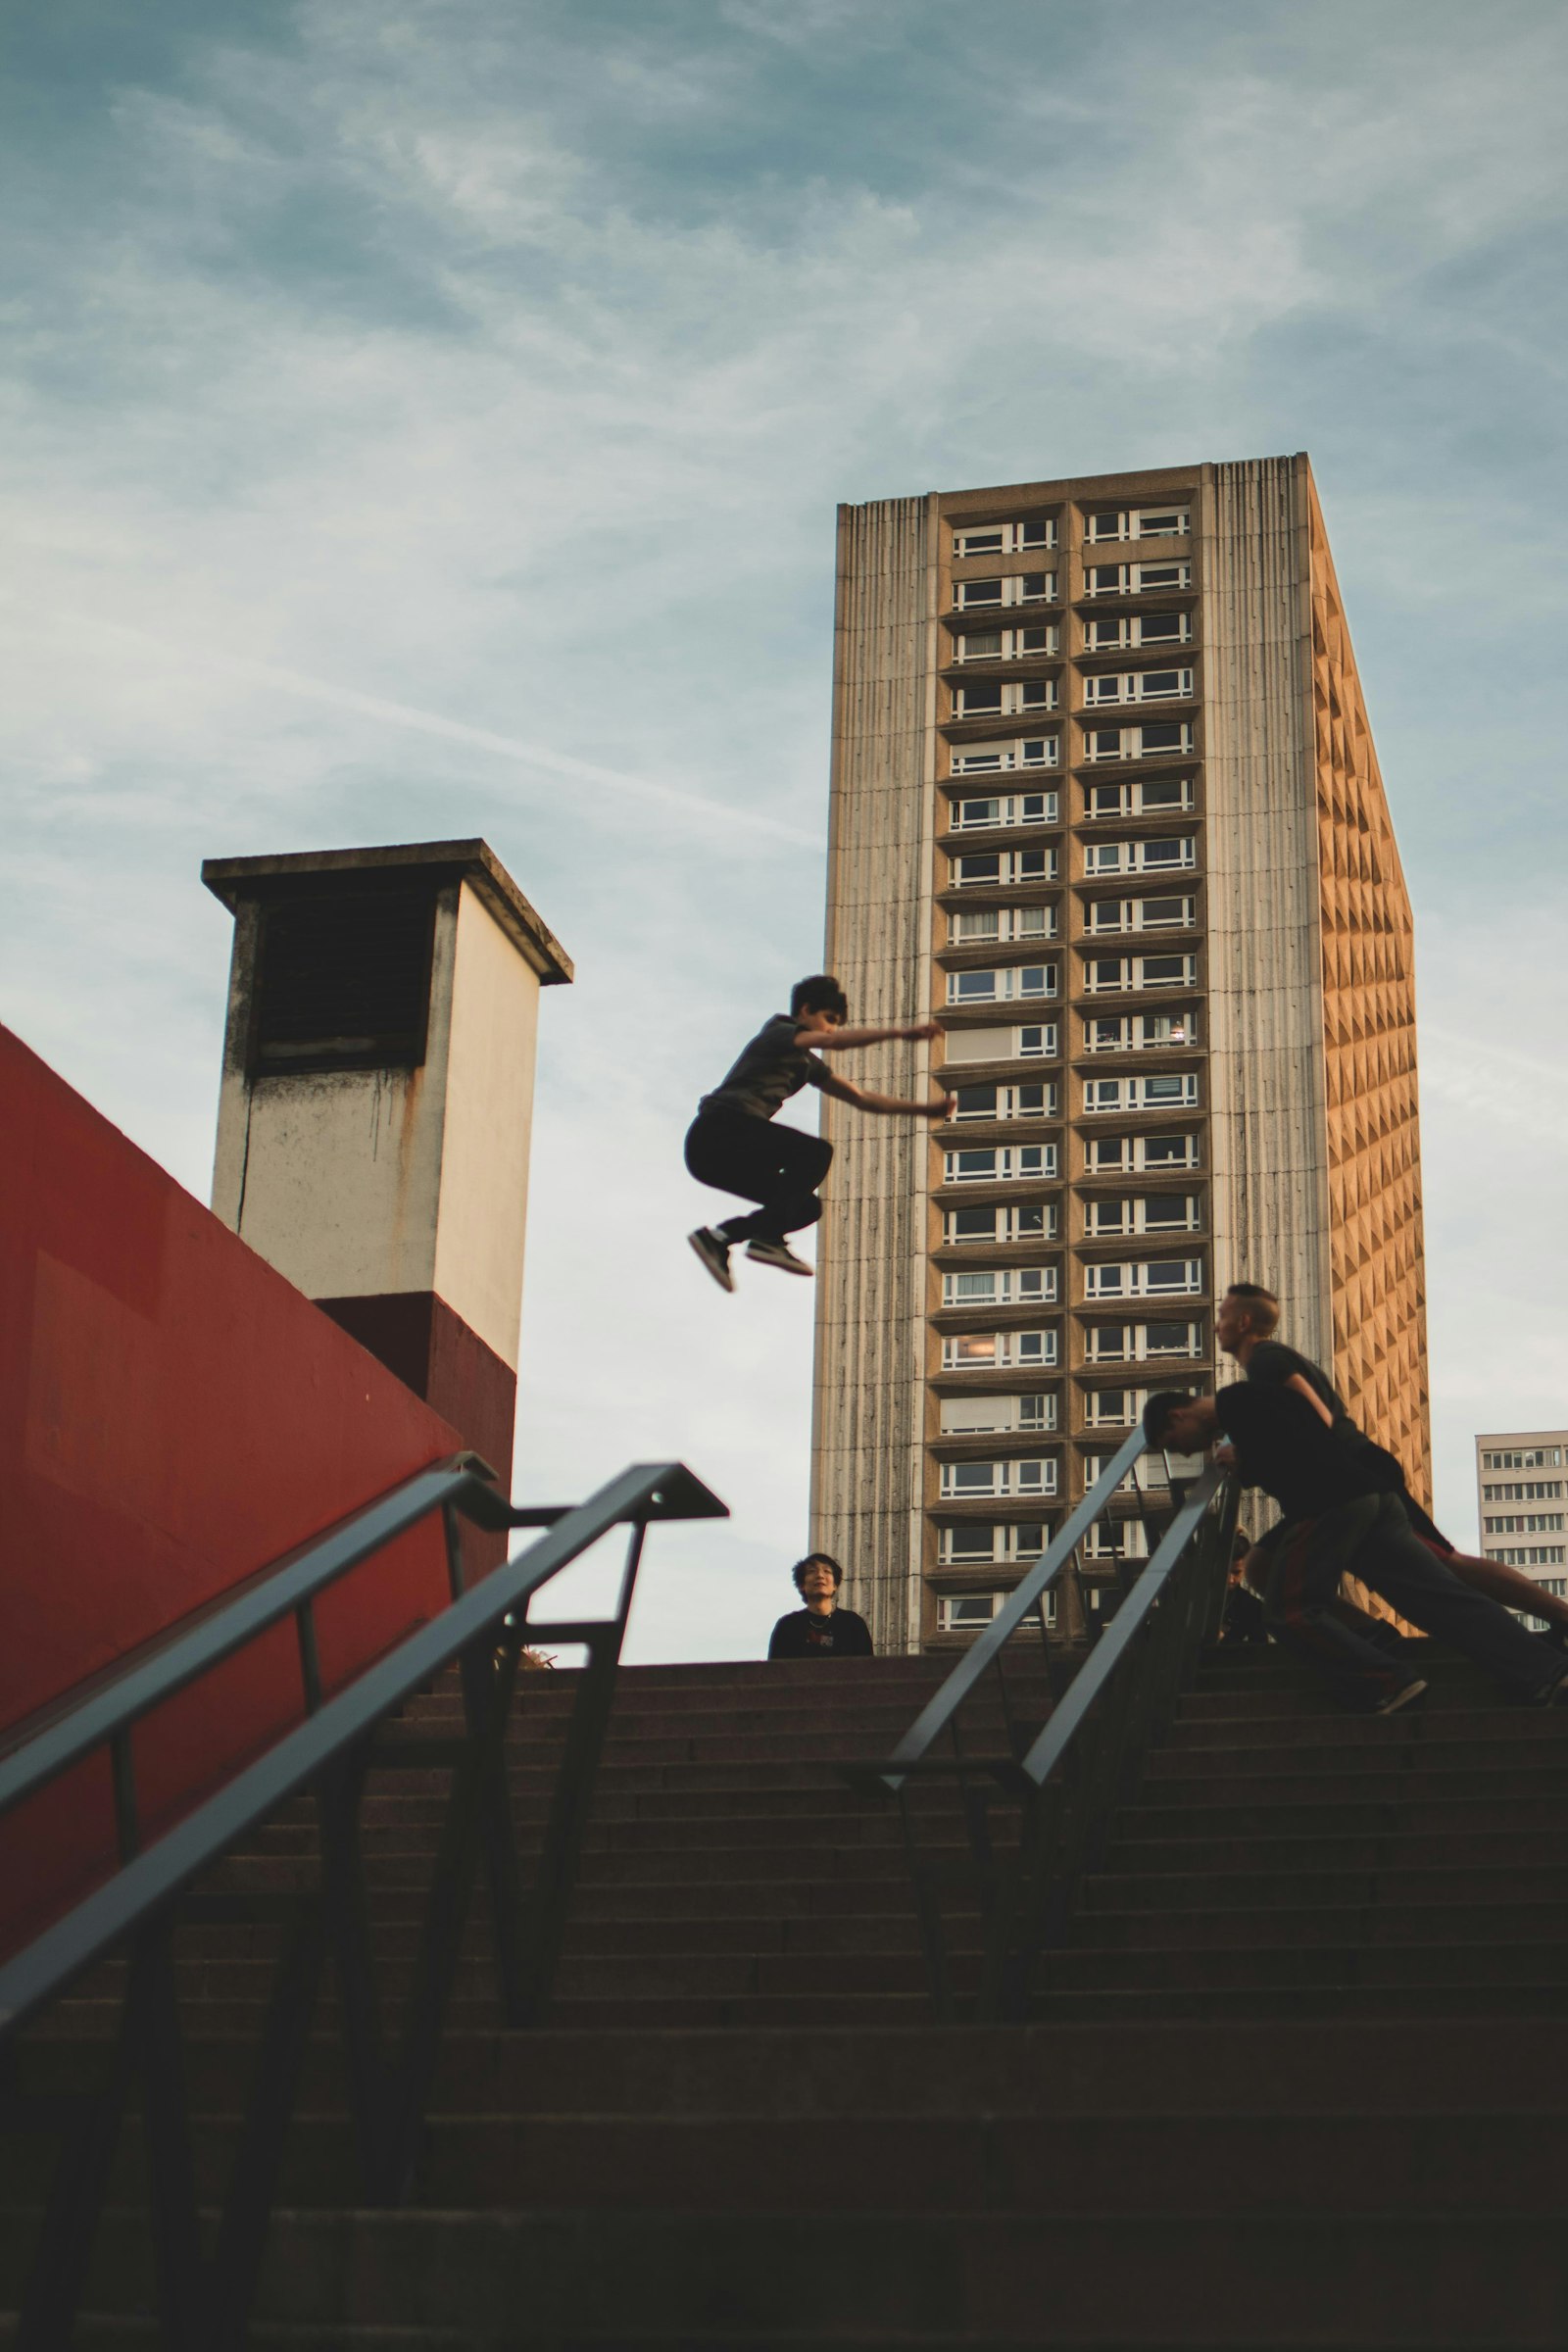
(1188, 2275)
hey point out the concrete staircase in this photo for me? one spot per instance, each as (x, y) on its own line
(1302, 2078)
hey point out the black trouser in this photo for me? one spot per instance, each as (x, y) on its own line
(1372, 1538)
(779, 1166)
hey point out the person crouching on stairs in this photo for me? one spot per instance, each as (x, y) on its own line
(1342, 1500)
(1249, 1318)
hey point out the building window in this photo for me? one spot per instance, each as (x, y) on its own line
(971, 1612)
(1125, 631)
(962, 1481)
(1005, 867)
(1032, 1041)
(1130, 1154)
(1135, 1342)
(980, 926)
(975, 1541)
(1000, 1285)
(1523, 1523)
(999, 699)
(1525, 1457)
(1530, 1490)
(995, 758)
(997, 986)
(1173, 1091)
(997, 1350)
(1006, 645)
(1137, 523)
(1147, 1212)
(1139, 1033)
(1157, 740)
(1139, 686)
(1145, 1278)
(1169, 853)
(1015, 588)
(1136, 579)
(1038, 1102)
(1000, 1163)
(1527, 1555)
(1114, 1408)
(1140, 914)
(1103, 972)
(1134, 796)
(1115, 1540)
(985, 1416)
(1004, 538)
(1023, 809)
(1033, 1221)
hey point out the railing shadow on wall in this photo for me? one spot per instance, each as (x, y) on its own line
(1035, 1818)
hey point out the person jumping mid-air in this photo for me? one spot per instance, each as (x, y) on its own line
(733, 1144)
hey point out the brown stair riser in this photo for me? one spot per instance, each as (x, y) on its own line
(1046, 2070)
(1420, 1890)
(1176, 1781)
(1202, 1810)
(1369, 1924)
(1386, 1755)
(1467, 2164)
(802, 2013)
(1492, 1728)
(1532, 1851)
(1177, 1967)
(1187, 2277)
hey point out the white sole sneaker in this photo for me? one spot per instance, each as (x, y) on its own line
(1401, 1699)
(775, 1253)
(714, 1251)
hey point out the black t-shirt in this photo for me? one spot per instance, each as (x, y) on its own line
(767, 1071)
(802, 1634)
(1308, 1467)
(1272, 1363)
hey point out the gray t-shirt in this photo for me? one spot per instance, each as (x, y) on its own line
(767, 1072)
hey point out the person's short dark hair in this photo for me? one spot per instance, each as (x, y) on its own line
(1261, 1304)
(817, 1559)
(1157, 1412)
(821, 993)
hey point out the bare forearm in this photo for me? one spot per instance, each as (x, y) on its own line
(900, 1107)
(835, 1041)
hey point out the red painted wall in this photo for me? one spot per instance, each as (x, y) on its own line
(173, 1415)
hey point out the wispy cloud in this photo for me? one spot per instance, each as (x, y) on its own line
(430, 418)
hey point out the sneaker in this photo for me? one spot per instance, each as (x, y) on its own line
(1399, 1699)
(713, 1250)
(778, 1253)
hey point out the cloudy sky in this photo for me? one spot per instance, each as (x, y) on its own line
(428, 420)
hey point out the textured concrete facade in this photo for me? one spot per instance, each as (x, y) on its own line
(1106, 803)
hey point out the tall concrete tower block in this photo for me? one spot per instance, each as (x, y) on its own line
(377, 1100)
(1107, 806)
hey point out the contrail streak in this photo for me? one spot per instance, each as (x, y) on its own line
(688, 804)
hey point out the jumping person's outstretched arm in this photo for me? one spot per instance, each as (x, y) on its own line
(925, 1106)
(834, 1041)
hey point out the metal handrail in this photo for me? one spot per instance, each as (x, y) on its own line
(1067, 1778)
(203, 2300)
(1026, 1598)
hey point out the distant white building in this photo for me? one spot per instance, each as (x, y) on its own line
(1522, 1502)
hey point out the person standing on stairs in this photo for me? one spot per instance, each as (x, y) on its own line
(1244, 1327)
(1344, 1514)
(733, 1144)
(822, 1629)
